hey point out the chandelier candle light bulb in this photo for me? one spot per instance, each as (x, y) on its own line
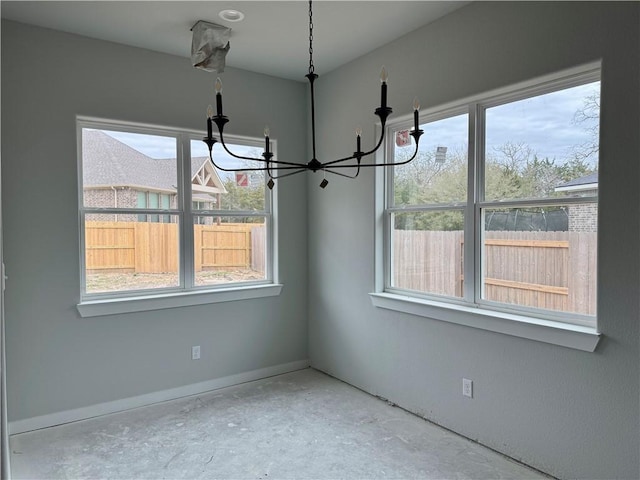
(218, 87)
(416, 109)
(383, 87)
(266, 139)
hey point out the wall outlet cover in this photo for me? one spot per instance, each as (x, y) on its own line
(195, 352)
(467, 387)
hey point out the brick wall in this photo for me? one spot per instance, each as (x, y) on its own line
(583, 217)
(127, 198)
(105, 198)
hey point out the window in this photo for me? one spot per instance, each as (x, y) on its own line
(150, 200)
(498, 211)
(157, 218)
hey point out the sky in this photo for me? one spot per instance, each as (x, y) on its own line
(545, 123)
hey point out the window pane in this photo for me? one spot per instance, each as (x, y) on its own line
(541, 257)
(427, 252)
(153, 200)
(153, 203)
(119, 168)
(544, 146)
(229, 250)
(142, 200)
(216, 189)
(123, 253)
(438, 174)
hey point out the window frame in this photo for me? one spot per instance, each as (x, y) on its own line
(561, 328)
(186, 293)
(389, 195)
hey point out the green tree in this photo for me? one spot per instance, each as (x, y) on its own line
(512, 170)
(249, 198)
(427, 181)
(540, 177)
(412, 181)
(504, 168)
(575, 168)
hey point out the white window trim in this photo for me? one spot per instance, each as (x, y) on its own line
(186, 294)
(113, 306)
(547, 331)
(479, 316)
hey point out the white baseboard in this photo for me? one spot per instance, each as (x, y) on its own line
(83, 413)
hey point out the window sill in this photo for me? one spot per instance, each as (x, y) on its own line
(114, 306)
(556, 333)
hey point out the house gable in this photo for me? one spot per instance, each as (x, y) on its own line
(205, 178)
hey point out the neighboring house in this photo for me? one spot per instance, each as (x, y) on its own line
(118, 176)
(584, 186)
(582, 217)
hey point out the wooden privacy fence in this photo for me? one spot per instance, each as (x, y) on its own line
(145, 247)
(552, 270)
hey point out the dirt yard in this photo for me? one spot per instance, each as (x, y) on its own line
(113, 282)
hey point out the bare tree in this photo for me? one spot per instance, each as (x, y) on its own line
(513, 157)
(589, 118)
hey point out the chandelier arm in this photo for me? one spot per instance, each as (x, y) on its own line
(224, 145)
(276, 177)
(295, 167)
(357, 154)
(234, 169)
(390, 164)
(290, 165)
(253, 169)
(344, 174)
(281, 162)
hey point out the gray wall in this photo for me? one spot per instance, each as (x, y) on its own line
(567, 412)
(57, 360)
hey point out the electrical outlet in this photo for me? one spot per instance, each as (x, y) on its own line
(467, 387)
(195, 352)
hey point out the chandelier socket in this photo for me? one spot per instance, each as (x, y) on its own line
(383, 113)
(210, 141)
(220, 121)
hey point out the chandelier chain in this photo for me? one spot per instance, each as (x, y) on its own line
(311, 66)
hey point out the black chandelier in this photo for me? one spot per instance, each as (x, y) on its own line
(276, 169)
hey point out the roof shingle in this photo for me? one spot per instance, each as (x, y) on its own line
(109, 162)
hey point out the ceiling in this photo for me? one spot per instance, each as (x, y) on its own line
(272, 38)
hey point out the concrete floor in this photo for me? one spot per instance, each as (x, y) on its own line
(302, 425)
